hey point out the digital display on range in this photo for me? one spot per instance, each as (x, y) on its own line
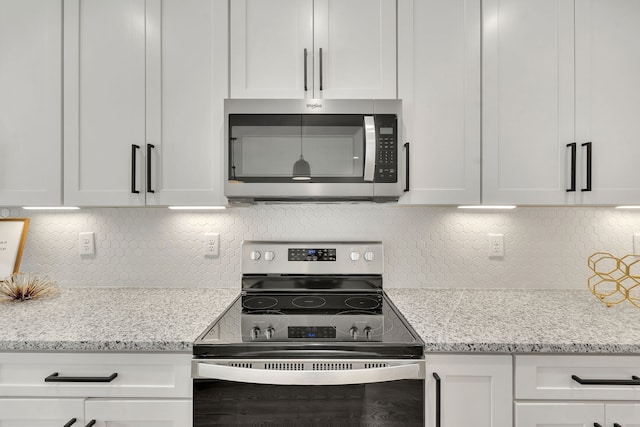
(322, 332)
(309, 254)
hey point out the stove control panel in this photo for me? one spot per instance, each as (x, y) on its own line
(349, 327)
(275, 257)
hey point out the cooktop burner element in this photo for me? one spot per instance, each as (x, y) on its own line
(318, 298)
(259, 302)
(308, 301)
(362, 303)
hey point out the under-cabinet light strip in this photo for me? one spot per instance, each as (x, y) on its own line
(487, 207)
(197, 208)
(50, 208)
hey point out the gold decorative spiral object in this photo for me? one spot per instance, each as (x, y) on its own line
(615, 279)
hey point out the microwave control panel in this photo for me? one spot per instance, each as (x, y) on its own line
(387, 148)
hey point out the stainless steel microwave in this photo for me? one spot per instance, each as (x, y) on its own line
(312, 150)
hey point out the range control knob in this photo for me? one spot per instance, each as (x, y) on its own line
(255, 333)
(369, 256)
(368, 332)
(268, 333)
(354, 256)
(269, 256)
(254, 255)
(353, 332)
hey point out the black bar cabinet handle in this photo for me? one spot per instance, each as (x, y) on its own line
(633, 381)
(305, 70)
(134, 149)
(71, 422)
(616, 425)
(406, 178)
(56, 378)
(91, 423)
(320, 68)
(574, 149)
(596, 425)
(589, 156)
(438, 398)
(150, 147)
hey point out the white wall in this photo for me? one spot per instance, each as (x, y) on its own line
(425, 246)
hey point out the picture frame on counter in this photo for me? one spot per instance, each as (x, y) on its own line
(13, 233)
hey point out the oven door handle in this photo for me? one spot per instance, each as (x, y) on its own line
(329, 377)
(370, 148)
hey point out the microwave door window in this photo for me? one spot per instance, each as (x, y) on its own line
(305, 148)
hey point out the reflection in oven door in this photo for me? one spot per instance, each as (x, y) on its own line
(276, 394)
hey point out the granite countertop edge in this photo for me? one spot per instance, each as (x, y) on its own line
(474, 321)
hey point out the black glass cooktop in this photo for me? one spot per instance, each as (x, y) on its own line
(310, 328)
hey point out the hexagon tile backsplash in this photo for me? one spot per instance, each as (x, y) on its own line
(424, 246)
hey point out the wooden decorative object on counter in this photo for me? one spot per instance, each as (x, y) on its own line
(13, 232)
(615, 279)
(26, 286)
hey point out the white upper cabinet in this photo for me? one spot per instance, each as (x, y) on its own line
(30, 102)
(561, 101)
(528, 110)
(313, 49)
(144, 90)
(439, 83)
(608, 98)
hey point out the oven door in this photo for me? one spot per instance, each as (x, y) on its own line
(306, 392)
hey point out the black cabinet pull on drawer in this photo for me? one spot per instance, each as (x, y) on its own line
(633, 381)
(55, 378)
(71, 422)
(91, 423)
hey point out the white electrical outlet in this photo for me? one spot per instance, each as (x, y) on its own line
(211, 244)
(87, 243)
(636, 244)
(496, 245)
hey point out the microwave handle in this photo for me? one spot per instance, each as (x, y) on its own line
(370, 148)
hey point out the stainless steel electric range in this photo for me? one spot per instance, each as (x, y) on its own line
(312, 340)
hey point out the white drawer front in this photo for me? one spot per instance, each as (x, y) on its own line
(551, 377)
(138, 374)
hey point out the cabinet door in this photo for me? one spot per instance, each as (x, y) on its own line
(528, 101)
(559, 414)
(441, 99)
(30, 102)
(139, 413)
(475, 391)
(104, 110)
(41, 412)
(185, 103)
(626, 415)
(358, 42)
(608, 97)
(268, 42)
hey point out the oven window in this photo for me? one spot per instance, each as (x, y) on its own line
(265, 147)
(389, 404)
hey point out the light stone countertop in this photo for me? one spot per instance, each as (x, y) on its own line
(448, 320)
(112, 319)
(519, 321)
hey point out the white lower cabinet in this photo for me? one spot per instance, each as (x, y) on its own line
(25, 412)
(473, 391)
(138, 413)
(52, 389)
(577, 390)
